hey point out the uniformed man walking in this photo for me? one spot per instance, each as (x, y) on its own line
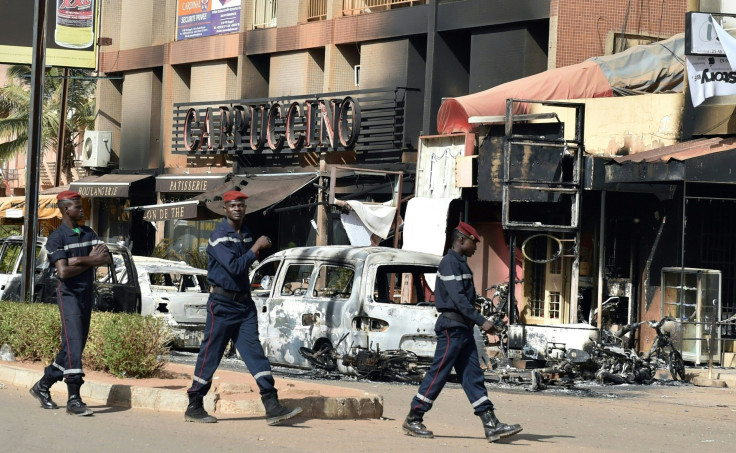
(231, 314)
(454, 299)
(74, 250)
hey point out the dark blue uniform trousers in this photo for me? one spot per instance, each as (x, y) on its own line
(226, 320)
(455, 348)
(76, 313)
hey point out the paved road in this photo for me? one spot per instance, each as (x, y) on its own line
(656, 418)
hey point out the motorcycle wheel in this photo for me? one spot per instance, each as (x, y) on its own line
(676, 365)
(322, 359)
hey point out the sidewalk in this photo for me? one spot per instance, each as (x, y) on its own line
(231, 393)
(720, 377)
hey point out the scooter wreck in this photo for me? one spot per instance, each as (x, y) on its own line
(580, 352)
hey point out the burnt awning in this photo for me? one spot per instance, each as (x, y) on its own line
(113, 186)
(703, 160)
(189, 183)
(263, 191)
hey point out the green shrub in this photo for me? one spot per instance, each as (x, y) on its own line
(118, 343)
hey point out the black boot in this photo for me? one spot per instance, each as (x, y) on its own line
(195, 411)
(496, 430)
(413, 425)
(41, 390)
(275, 412)
(75, 405)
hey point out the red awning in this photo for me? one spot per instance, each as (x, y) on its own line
(583, 80)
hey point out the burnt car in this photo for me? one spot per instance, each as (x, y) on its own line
(346, 307)
(115, 285)
(176, 292)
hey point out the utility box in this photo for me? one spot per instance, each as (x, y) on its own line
(96, 149)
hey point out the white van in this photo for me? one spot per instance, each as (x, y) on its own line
(375, 298)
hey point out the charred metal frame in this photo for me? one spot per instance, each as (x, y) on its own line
(397, 192)
(571, 187)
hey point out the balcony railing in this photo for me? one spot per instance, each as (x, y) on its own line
(264, 14)
(316, 10)
(353, 7)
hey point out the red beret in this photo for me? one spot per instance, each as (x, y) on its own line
(468, 231)
(233, 195)
(68, 195)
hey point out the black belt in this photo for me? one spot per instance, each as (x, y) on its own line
(455, 316)
(236, 296)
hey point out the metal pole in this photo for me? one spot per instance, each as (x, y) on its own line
(322, 210)
(601, 251)
(34, 149)
(62, 126)
(429, 69)
(512, 279)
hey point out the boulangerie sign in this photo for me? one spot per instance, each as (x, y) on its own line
(708, 77)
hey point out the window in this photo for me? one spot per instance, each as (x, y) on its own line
(334, 282)
(296, 280)
(554, 305)
(404, 284)
(11, 252)
(537, 307)
(263, 278)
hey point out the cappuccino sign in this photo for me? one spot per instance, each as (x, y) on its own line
(312, 124)
(374, 123)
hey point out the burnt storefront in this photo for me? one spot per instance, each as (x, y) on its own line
(281, 151)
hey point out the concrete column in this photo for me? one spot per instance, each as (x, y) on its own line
(175, 89)
(140, 144)
(137, 18)
(109, 106)
(340, 62)
(252, 76)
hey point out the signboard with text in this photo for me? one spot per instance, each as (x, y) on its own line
(198, 18)
(71, 32)
(369, 121)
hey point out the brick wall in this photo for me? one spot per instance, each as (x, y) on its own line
(584, 26)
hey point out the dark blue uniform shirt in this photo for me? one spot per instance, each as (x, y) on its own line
(455, 292)
(230, 258)
(65, 243)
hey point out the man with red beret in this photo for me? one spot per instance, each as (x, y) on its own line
(231, 314)
(74, 250)
(454, 299)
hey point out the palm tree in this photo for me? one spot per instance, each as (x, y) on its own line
(15, 108)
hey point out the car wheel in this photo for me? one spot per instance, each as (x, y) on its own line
(104, 300)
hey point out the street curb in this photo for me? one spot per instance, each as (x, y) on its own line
(367, 405)
(718, 378)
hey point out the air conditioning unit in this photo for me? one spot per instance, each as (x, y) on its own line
(96, 149)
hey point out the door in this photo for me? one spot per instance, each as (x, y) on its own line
(262, 283)
(284, 310)
(545, 282)
(116, 285)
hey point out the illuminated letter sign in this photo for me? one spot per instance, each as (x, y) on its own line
(274, 142)
(256, 143)
(295, 111)
(191, 143)
(307, 125)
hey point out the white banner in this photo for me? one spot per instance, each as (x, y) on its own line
(708, 77)
(425, 225)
